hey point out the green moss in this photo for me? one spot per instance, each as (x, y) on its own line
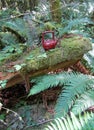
(71, 48)
(75, 46)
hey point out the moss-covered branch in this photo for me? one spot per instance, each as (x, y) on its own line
(68, 52)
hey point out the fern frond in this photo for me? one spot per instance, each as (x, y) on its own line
(71, 91)
(74, 24)
(31, 31)
(50, 80)
(25, 31)
(85, 101)
(43, 83)
(85, 122)
(17, 27)
(7, 38)
(3, 15)
(73, 86)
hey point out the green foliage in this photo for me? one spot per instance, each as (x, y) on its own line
(18, 67)
(72, 91)
(16, 26)
(27, 29)
(76, 25)
(85, 101)
(75, 87)
(7, 38)
(48, 81)
(42, 83)
(4, 15)
(14, 39)
(10, 52)
(2, 116)
(3, 83)
(83, 122)
(77, 18)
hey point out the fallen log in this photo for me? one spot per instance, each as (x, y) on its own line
(37, 62)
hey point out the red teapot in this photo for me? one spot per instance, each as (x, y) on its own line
(48, 43)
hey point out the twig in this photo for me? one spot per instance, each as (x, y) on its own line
(41, 123)
(13, 17)
(16, 114)
(3, 122)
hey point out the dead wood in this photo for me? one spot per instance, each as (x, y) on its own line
(68, 52)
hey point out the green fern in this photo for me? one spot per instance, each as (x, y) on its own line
(77, 19)
(17, 27)
(24, 30)
(71, 91)
(7, 38)
(31, 31)
(50, 80)
(84, 101)
(4, 14)
(43, 83)
(85, 122)
(74, 85)
(10, 46)
(74, 25)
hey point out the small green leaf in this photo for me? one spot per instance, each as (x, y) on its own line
(3, 83)
(10, 71)
(17, 67)
(43, 55)
(2, 116)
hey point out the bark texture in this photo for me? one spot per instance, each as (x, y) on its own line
(55, 7)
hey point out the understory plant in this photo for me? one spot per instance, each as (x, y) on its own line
(72, 122)
(77, 93)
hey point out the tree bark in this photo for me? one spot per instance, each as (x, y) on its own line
(56, 12)
(3, 2)
(68, 52)
(32, 4)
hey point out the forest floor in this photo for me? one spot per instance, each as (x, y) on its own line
(20, 112)
(34, 111)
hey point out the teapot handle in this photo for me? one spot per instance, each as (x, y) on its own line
(43, 34)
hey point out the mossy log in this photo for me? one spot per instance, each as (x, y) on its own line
(67, 52)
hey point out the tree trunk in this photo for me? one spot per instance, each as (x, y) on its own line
(0, 5)
(56, 12)
(3, 3)
(32, 4)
